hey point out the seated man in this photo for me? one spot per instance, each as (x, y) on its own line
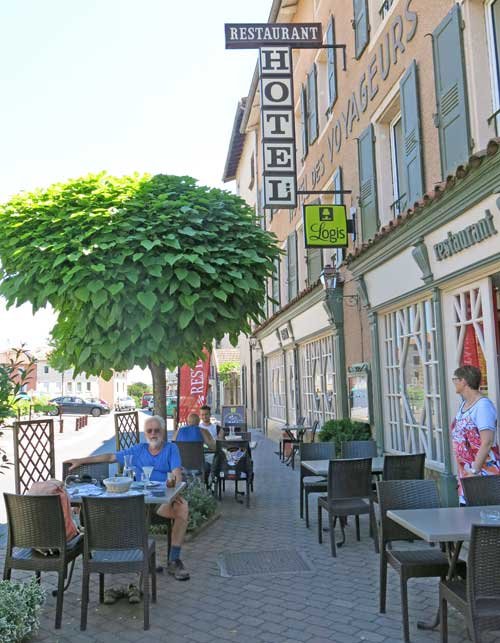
(164, 457)
(193, 432)
(216, 432)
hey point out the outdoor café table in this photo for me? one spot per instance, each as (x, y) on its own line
(320, 467)
(156, 494)
(296, 434)
(449, 525)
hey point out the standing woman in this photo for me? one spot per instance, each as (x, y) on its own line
(474, 429)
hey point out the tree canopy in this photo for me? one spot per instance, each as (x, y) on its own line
(141, 269)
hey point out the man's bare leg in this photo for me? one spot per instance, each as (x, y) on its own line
(178, 511)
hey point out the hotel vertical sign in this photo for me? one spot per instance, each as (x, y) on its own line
(275, 43)
(278, 127)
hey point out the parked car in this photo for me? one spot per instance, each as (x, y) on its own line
(125, 403)
(79, 406)
(145, 400)
(171, 406)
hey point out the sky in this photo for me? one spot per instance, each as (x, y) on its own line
(116, 85)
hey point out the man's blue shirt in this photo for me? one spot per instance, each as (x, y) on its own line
(190, 433)
(167, 460)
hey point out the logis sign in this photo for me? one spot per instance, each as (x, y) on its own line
(275, 44)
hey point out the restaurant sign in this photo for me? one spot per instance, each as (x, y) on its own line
(325, 226)
(275, 43)
(249, 36)
(463, 239)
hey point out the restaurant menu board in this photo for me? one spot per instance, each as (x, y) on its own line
(233, 415)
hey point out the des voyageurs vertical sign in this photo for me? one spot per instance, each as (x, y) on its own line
(193, 387)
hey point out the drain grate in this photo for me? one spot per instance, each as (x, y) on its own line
(263, 562)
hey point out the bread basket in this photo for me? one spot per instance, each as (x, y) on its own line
(119, 484)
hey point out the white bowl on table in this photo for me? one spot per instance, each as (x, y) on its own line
(119, 484)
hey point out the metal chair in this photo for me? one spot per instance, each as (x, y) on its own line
(413, 563)
(288, 438)
(37, 523)
(98, 470)
(478, 598)
(298, 441)
(116, 542)
(310, 483)
(482, 490)
(359, 449)
(349, 494)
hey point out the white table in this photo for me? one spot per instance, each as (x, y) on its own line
(447, 524)
(320, 467)
(157, 495)
(450, 525)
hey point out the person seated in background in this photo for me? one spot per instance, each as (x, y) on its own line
(164, 457)
(215, 431)
(192, 432)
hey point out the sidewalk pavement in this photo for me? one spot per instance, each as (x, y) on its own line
(332, 600)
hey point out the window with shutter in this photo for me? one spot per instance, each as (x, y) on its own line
(412, 142)
(292, 273)
(399, 189)
(303, 121)
(493, 28)
(367, 184)
(312, 105)
(451, 95)
(314, 264)
(361, 26)
(331, 65)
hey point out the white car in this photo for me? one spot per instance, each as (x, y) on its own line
(125, 403)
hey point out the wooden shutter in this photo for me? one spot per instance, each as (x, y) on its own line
(451, 94)
(312, 105)
(367, 184)
(412, 152)
(275, 294)
(292, 265)
(303, 121)
(331, 64)
(338, 199)
(361, 26)
(314, 264)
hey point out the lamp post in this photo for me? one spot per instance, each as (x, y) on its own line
(333, 303)
(252, 343)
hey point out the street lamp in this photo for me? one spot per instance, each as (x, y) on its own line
(332, 283)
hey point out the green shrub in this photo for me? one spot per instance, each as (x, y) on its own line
(339, 431)
(202, 505)
(20, 606)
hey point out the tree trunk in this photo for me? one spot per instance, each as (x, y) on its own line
(159, 389)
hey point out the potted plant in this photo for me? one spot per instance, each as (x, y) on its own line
(344, 430)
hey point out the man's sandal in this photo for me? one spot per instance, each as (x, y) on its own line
(134, 594)
(112, 594)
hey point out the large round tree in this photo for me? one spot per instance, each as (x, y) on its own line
(142, 270)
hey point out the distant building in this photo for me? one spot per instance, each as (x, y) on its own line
(51, 382)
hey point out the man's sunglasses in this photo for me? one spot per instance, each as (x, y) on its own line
(156, 430)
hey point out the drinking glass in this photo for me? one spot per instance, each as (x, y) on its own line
(147, 471)
(231, 432)
(128, 469)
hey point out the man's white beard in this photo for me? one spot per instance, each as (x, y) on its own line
(155, 442)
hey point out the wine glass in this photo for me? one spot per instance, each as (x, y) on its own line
(147, 471)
